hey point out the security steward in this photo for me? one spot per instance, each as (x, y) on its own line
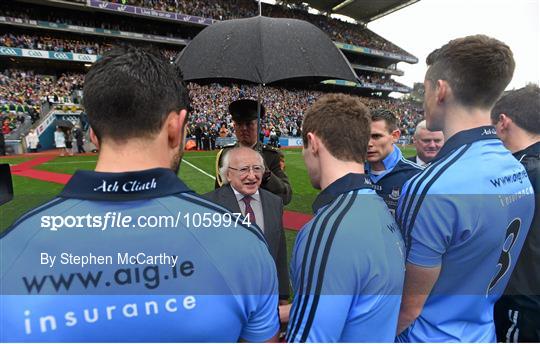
(244, 116)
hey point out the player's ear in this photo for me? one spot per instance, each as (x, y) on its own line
(313, 143)
(175, 126)
(93, 138)
(504, 121)
(442, 91)
(396, 134)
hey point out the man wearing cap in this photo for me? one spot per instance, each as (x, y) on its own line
(244, 116)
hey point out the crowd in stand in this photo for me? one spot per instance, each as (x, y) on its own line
(46, 42)
(217, 9)
(24, 92)
(226, 9)
(52, 43)
(284, 109)
(379, 79)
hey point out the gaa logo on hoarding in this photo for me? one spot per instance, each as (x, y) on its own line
(122, 8)
(8, 51)
(85, 58)
(299, 142)
(34, 53)
(61, 56)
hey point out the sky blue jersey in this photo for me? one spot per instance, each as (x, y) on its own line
(135, 257)
(347, 268)
(469, 213)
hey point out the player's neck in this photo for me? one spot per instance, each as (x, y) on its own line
(335, 169)
(460, 118)
(131, 157)
(377, 166)
(519, 139)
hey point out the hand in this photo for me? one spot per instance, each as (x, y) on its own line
(284, 311)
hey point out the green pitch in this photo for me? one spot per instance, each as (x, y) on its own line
(194, 171)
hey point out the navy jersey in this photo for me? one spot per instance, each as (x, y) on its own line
(397, 171)
(347, 268)
(459, 215)
(135, 257)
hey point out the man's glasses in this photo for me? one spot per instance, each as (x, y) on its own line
(244, 171)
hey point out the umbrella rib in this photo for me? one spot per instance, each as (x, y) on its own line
(219, 61)
(261, 75)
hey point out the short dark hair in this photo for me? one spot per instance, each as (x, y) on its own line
(477, 68)
(522, 106)
(130, 91)
(391, 120)
(343, 124)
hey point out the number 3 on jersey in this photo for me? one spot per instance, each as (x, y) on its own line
(505, 260)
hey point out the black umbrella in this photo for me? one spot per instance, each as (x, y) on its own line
(64, 123)
(263, 50)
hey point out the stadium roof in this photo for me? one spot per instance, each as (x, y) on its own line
(361, 10)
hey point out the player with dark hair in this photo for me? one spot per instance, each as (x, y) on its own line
(119, 255)
(463, 228)
(386, 166)
(516, 117)
(347, 264)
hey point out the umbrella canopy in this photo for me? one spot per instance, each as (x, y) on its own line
(63, 123)
(263, 50)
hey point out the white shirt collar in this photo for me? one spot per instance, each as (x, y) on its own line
(256, 196)
(420, 161)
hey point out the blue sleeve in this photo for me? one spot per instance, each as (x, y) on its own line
(322, 319)
(263, 320)
(429, 228)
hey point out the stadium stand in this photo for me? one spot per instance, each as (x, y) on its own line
(23, 93)
(222, 9)
(77, 34)
(55, 42)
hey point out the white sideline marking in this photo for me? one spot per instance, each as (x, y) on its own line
(198, 169)
(93, 161)
(69, 162)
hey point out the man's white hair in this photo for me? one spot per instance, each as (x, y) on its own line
(420, 125)
(226, 162)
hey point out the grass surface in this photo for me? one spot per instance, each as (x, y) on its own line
(13, 161)
(29, 193)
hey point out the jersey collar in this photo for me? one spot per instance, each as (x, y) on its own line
(349, 182)
(126, 186)
(464, 137)
(389, 163)
(532, 150)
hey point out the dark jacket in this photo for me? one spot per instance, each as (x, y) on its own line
(273, 228)
(524, 284)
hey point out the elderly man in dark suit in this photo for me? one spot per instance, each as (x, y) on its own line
(242, 171)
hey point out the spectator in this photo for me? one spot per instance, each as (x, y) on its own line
(2, 144)
(79, 137)
(60, 141)
(32, 141)
(428, 144)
